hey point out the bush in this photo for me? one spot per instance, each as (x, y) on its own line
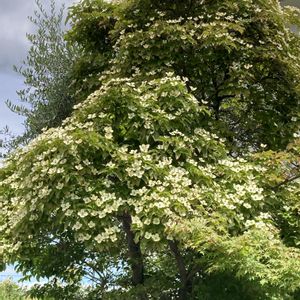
(9, 290)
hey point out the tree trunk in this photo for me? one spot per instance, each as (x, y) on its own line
(186, 286)
(134, 252)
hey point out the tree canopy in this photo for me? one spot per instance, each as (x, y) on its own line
(177, 174)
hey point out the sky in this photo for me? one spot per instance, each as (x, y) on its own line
(14, 25)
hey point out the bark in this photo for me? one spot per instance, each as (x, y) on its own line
(186, 285)
(134, 252)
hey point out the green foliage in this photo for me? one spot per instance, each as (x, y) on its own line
(254, 263)
(94, 20)
(11, 291)
(178, 176)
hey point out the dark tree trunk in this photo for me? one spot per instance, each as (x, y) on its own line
(134, 252)
(186, 286)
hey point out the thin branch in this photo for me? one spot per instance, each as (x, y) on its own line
(286, 181)
(94, 269)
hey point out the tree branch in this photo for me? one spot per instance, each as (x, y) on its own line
(286, 181)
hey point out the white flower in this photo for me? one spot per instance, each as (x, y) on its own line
(230, 206)
(296, 134)
(260, 225)
(155, 237)
(108, 132)
(156, 221)
(160, 205)
(79, 167)
(113, 238)
(99, 238)
(257, 197)
(83, 237)
(77, 226)
(82, 213)
(136, 221)
(110, 165)
(249, 223)
(147, 221)
(264, 216)
(148, 235)
(144, 147)
(65, 206)
(248, 66)
(59, 186)
(69, 212)
(101, 214)
(86, 162)
(92, 116)
(247, 205)
(91, 224)
(44, 192)
(87, 200)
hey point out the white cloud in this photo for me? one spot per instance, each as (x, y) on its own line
(14, 25)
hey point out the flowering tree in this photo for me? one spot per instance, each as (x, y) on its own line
(178, 177)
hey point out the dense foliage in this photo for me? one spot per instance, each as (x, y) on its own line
(178, 176)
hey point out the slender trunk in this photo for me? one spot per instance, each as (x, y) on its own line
(186, 287)
(134, 252)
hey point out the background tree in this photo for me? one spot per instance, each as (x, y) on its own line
(48, 96)
(158, 185)
(11, 291)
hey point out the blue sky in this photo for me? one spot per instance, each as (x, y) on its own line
(14, 25)
(9, 83)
